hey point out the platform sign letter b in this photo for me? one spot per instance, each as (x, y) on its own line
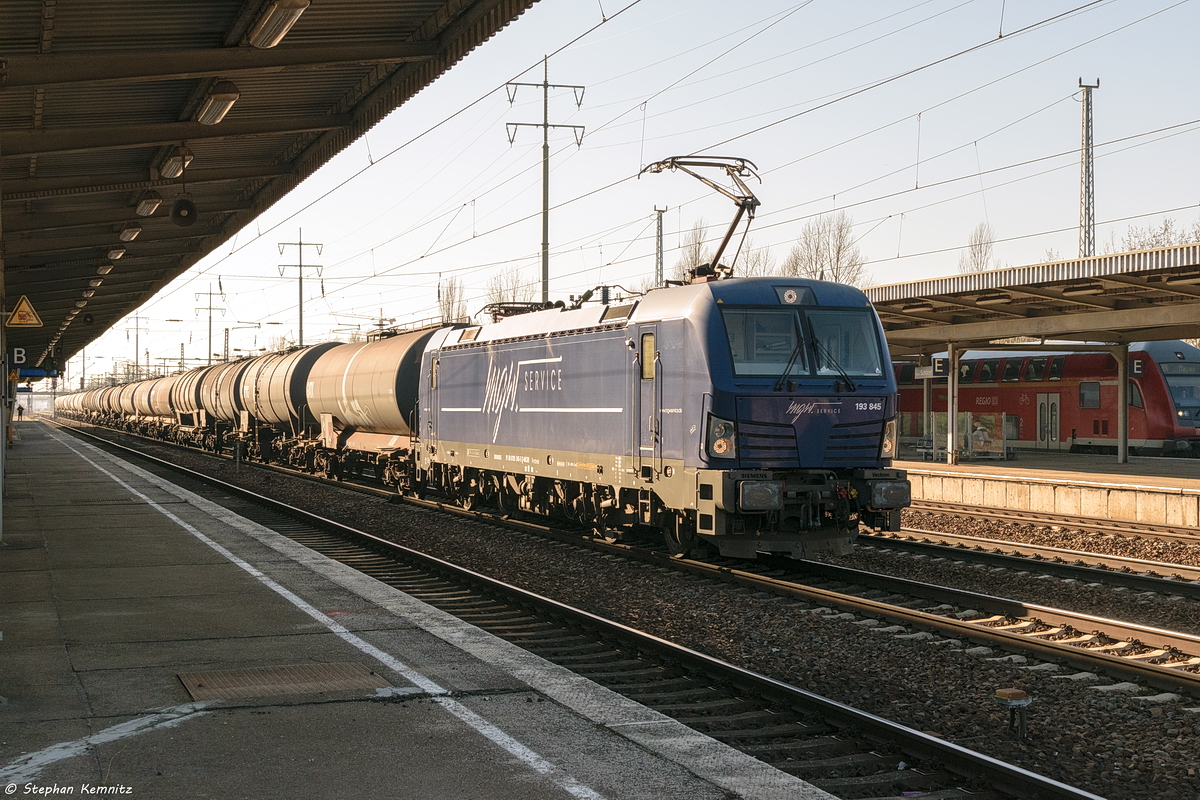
(18, 357)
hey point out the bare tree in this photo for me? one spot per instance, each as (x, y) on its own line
(753, 261)
(1052, 255)
(452, 302)
(826, 250)
(692, 253)
(509, 285)
(978, 255)
(1165, 234)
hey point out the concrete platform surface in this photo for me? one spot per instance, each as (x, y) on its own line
(117, 587)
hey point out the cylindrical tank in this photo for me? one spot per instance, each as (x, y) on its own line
(160, 396)
(273, 386)
(373, 386)
(185, 393)
(219, 390)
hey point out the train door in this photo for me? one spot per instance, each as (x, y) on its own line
(648, 439)
(1048, 421)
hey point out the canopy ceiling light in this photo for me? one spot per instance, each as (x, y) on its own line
(275, 22)
(915, 307)
(88, 292)
(116, 253)
(149, 203)
(220, 99)
(104, 269)
(80, 303)
(130, 231)
(174, 165)
(1082, 288)
(994, 299)
(94, 282)
(72, 312)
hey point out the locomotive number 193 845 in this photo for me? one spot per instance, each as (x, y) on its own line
(868, 406)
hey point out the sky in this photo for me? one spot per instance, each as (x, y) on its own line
(920, 119)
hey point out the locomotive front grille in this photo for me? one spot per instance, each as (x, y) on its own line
(768, 443)
(854, 442)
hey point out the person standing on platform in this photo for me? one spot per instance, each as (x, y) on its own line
(20, 411)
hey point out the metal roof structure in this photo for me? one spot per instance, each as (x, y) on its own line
(1125, 297)
(102, 102)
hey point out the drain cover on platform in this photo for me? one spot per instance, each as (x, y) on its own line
(227, 684)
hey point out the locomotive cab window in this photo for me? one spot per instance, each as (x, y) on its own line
(763, 342)
(647, 356)
(1183, 381)
(845, 343)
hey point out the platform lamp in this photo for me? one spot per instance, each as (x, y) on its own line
(275, 22)
(221, 98)
(129, 231)
(179, 159)
(116, 253)
(148, 204)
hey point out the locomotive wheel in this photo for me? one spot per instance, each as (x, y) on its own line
(600, 530)
(680, 537)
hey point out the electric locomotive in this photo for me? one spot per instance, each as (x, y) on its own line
(752, 414)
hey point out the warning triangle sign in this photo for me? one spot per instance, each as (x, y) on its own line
(23, 316)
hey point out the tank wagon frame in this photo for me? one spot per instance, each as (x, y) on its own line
(751, 415)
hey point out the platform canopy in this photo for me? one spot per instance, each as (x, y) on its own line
(102, 102)
(1147, 295)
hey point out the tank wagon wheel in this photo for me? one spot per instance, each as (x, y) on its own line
(679, 534)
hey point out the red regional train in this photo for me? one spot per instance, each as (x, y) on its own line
(1066, 400)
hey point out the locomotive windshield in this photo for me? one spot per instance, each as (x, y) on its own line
(1183, 381)
(768, 342)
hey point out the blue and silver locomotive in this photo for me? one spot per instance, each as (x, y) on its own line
(753, 414)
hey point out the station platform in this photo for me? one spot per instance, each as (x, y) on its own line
(1150, 490)
(155, 645)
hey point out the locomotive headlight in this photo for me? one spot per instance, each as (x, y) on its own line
(887, 447)
(890, 494)
(722, 438)
(760, 495)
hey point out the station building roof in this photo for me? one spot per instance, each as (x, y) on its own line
(1120, 298)
(98, 96)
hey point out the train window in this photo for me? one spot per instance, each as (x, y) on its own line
(966, 371)
(1135, 395)
(647, 356)
(988, 370)
(763, 342)
(846, 343)
(1089, 394)
(908, 373)
(1056, 368)
(1035, 370)
(1012, 370)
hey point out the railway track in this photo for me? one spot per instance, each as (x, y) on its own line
(1110, 527)
(847, 752)
(1143, 654)
(1131, 573)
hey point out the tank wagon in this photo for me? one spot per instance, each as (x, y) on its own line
(752, 415)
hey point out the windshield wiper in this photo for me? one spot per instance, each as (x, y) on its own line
(823, 353)
(791, 362)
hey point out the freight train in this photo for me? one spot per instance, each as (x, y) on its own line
(745, 415)
(1064, 400)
